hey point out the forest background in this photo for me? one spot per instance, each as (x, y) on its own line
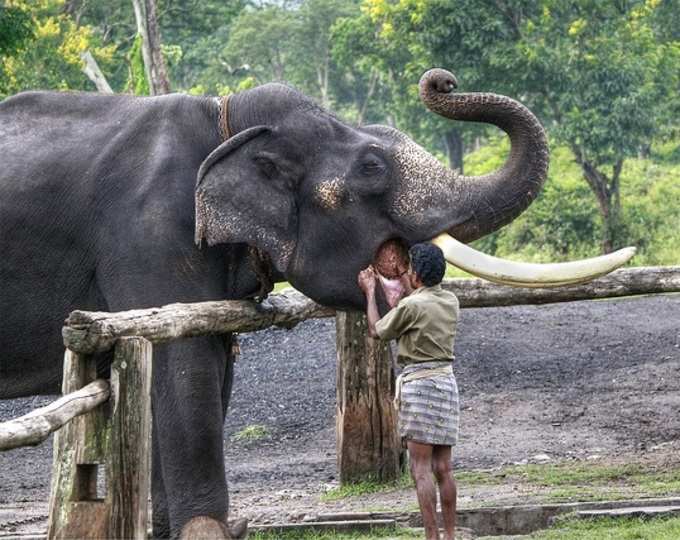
(602, 76)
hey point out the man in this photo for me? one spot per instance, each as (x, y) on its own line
(424, 322)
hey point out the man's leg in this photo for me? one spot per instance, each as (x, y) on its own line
(441, 466)
(421, 470)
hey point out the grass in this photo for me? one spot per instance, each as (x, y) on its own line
(558, 482)
(583, 481)
(367, 487)
(612, 529)
(646, 477)
(251, 433)
(567, 482)
(392, 533)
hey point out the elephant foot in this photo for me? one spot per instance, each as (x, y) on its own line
(238, 528)
(207, 528)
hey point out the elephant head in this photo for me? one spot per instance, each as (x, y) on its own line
(325, 199)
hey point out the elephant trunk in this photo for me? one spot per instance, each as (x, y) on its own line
(494, 199)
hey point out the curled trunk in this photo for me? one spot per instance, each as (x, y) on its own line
(497, 198)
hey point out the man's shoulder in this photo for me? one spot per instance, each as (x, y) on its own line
(408, 301)
(448, 295)
(443, 296)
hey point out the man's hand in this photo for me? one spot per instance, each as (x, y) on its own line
(366, 280)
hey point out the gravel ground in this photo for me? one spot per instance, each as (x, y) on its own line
(567, 380)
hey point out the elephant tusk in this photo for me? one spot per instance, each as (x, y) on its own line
(518, 274)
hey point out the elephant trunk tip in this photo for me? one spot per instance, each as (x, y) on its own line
(437, 81)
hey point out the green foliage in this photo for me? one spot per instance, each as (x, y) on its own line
(260, 44)
(52, 61)
(16, 29)
(138, 84)
(251, 433)
(564, 222)
(609, 80)
(609, 76)
(366, 487)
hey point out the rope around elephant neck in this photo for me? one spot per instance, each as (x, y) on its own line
(223, 122)
(259, 260)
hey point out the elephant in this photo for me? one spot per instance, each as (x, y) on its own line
(113, 202)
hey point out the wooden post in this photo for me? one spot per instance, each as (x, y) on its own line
(79, 452)
(368, 445)
(111, 443)
(128, 464)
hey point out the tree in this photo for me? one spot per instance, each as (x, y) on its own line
(154, 63)
(53, 60)
(607, 76)
(313, 46)
(259, 45)
(16, 28)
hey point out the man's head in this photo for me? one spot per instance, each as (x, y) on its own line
(427, 263)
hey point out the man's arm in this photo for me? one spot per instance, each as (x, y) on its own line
(367, 279)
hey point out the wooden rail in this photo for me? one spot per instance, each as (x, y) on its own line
(89, 332)
(34, 427)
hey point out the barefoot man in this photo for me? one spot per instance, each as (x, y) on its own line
(424, 322)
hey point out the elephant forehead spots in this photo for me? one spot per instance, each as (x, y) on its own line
(425, 183)
(329, 193)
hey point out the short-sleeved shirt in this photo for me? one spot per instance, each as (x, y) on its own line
(424, 323)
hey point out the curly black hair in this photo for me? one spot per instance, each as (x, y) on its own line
(428, 262)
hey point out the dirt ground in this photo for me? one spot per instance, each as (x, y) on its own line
(580, 380)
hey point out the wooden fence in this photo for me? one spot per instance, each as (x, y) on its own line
(101, 456)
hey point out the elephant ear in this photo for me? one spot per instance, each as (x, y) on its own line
(244, 193)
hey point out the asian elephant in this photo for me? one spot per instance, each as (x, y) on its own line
(114, 202)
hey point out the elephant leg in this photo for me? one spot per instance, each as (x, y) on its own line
(160, 515)
(229, 339)
(188, 381)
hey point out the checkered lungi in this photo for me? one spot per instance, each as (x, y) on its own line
(429, 408)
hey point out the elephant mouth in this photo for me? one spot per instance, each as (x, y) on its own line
(391, 259)
(391, 262)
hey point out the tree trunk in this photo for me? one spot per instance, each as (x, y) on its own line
(154, 64)
(91, 69)
(607, 192)
(454, 149)
(372, 81)
(368, 445)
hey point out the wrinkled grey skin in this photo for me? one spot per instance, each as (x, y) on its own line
(103, 197)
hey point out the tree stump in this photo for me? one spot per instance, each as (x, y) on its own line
(368, 445)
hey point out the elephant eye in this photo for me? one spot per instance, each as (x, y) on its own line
(372, 165)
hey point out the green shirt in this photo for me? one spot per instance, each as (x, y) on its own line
(424, 323)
